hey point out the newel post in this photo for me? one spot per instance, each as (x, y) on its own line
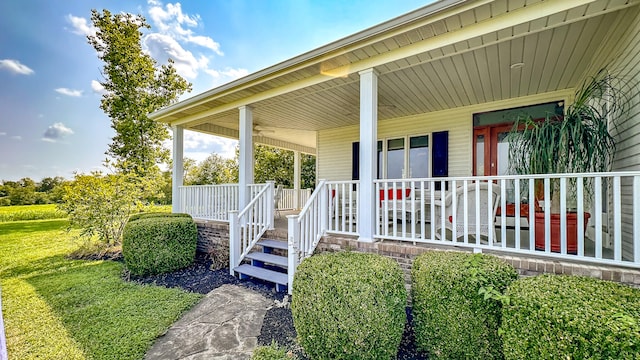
(234, 240)
(271, 204)
(324, 206)
(293, 241)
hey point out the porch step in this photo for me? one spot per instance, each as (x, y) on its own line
(268, 258)
(273, 244)
(280, 279)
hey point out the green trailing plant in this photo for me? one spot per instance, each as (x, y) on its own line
(349, 306)
(570, 317)
(457, 299)
(159, 244)
(271, 352)
(581, 141)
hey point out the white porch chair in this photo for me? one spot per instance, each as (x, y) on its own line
(276, 200)
(446, 207)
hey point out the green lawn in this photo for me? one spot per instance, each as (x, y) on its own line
(29, 212)
(55, 308)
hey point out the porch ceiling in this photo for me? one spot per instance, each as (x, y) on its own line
(458, 57)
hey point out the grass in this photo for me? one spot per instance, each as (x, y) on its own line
(49, 211)
(29, 212)
(56, 308)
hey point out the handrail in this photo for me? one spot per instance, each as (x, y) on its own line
(247, 226)
(306, 228)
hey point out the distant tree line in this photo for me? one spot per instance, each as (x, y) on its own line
(28, 192)
(270, 164)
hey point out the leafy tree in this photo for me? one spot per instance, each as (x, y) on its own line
(213, 170)
(100, 205)
(135, 86)
(49, 183)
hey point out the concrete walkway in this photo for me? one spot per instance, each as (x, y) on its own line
(225, 324)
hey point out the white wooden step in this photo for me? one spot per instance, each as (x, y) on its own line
(274, 244)
(269, 258)
(262, 273)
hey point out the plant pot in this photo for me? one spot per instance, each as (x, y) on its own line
(572, 231)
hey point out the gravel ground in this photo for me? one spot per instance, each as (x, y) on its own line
(278, 322)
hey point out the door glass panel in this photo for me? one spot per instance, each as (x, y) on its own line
(379, 159)
(480, 155)
(503, 154)
(395, 158)
(418, 157)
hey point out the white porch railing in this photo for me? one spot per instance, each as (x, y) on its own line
(606, 208)
(343, 206)
(211, 202)
(247, 226)
(306, 229)
(601, 211)
(288, 200)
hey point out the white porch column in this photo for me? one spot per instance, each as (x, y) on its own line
(178, 168)
(245, 166)
(296, 179)
(368, 152)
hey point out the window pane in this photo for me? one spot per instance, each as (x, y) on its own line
(395, 158)
(419, 157)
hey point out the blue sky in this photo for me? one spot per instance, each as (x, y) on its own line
(50, 120)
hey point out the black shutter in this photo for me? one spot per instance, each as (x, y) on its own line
(355, 161)
(440, 163)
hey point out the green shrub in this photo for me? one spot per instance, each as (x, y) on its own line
(571, 317)
(156, 214)
(453, 317)
(271, 352)
(349, 306)
(159, 244)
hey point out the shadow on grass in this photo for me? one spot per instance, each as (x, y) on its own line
(110, 318)
(30, 226)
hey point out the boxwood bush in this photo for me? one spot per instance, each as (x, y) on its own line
(452, 318)
(156, 214)
(571, 317)
(155, 245)
(349, 306)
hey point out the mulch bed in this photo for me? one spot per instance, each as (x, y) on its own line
(278, 322)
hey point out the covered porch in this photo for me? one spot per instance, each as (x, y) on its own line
(394, 115)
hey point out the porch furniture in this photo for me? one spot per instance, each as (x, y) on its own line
(417, 203)
(485, 224)
(276, 199)
(390, 201)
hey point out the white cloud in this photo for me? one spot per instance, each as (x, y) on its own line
(2, 133)
(69, 92)
(56, 132)
(162, 47)
(206, 42)
(97, 87)
(172, 21)
(16, 137)
(199, 146)
(81, 26)
(226, 75)
(15, 67)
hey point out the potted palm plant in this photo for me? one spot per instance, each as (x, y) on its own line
(581, 141)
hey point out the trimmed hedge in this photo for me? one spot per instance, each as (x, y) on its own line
(349, 306)
(156, 214)
(155, 245)
(571, 317)
(451, 319)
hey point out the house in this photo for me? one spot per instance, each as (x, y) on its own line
(411, 113)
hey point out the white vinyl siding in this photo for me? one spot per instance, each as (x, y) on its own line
(334, 145)
(621, 56)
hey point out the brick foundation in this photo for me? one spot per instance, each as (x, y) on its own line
(405, 252)
(211, 233)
